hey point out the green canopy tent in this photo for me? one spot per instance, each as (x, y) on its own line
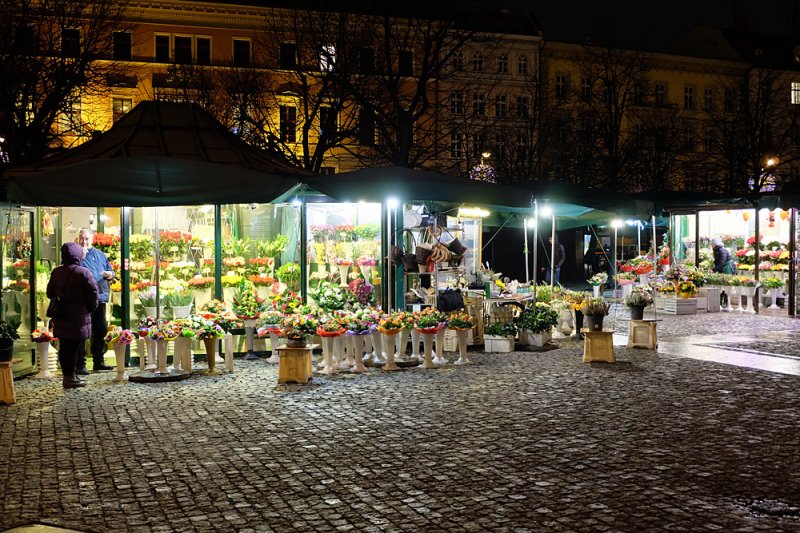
(159, 154)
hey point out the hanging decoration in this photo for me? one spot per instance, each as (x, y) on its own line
(771, 219)
(784, 214)
(746, 216)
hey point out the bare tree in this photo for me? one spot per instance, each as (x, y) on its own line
(399, 105)
(54, 53)
(757, 122)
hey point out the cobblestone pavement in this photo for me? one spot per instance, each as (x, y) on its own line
(515, 442)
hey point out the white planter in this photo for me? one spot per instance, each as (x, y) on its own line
(151, 311)
(533, 339)
(774, 295)
(497, 344)
(627, 289)
(181, 311)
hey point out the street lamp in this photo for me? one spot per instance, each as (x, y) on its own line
(485, 155)
(616, 224)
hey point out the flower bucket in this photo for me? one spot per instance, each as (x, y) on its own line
(296, 343)
(181, 311)
(498, 344)
(528, 338)
(594, 323)
(637, 312)
(151, 311)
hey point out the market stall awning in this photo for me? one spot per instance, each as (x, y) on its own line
(621, 204)
(147, 182)
(161, 153)
(378, 184)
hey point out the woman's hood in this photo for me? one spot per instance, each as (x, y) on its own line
(71, 253)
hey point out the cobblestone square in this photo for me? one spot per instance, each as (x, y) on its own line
(527, 441)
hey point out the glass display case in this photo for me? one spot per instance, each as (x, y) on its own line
(344, 252)
(19, 307)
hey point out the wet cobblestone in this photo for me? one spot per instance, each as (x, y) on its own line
(515, 442)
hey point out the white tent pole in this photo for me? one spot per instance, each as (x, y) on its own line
(525, 250)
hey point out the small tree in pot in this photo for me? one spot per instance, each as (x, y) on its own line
(535, 322)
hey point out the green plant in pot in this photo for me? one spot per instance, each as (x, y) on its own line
(594, 309)
(537, 319)
(8, 333)
(501, 329)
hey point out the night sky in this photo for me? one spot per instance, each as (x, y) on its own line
(653, 25)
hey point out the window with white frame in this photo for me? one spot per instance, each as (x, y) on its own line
(288, 123)
(561, 86)
(458, 103)
(708, 99)
(161, 48)
(661, 93)
(456, 144)
(479, 144)
(639, 93)
(500, 146)
(522, 65)
(241, 52)
(523, 106)
(327, 58)
(795, 92)
(182, 49)
(501, 105)
(458, 61)
(479, 105)
(477, 62)
(120, 106)
(502, 64)
(586, 90)
(688, 96)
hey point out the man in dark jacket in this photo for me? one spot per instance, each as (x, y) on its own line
(559, 256)
(75, 287)
(97, 263)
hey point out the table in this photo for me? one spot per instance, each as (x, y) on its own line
(642, 334)
(7, 395)
(500, 310)
(295, 363)
(598, 346)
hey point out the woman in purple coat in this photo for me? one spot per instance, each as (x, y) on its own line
(78, 292)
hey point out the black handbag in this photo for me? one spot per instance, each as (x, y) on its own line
(450, 300)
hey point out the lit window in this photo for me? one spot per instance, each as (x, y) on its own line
(120, 106)
(327, 58)
(795, 92)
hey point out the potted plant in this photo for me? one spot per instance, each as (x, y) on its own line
(8, 333)
(640, 297)
(499, 337)
(535, 322)
(774, 285)
(148, 301)
(686, 289)
(180, 300)
(594, 309)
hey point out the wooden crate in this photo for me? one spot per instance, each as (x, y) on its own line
(680, 306)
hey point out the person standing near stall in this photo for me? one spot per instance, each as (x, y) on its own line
(76, 292)
(102, 273)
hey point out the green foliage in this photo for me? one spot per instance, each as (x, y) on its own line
(773, 283)
(367, 231)
(236, 248)
(501, 329)
(290, 275)
(544, 293)
(8, 330)
(537, 319)
(272, 248)
(179, 298)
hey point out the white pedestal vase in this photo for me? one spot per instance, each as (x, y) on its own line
(402, 342)
(773, 293)
(119, 354)
(462, 335)
(343, 269)
(339, 352)
(415, 338)
(427, 343)
(749, 293)
(249, 330)
(151, 311)
(438, 356)
(327, 356)
(733, 293)
(227, 341)
(140, 349)
(161, 353)
(151, 353)
(627, 289)
(389, 340)
(596, 291)
(181, 351)
(357, 347)
(377, 345)
(274, 342)
(43, 358)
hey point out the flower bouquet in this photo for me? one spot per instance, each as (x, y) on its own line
(666, 288)
(287, 302)
(247, 305)
(200, 282)
(460, 321)
(595, 307)
(429, 321)
(329, 326)
(118, 336)
(361, 291)
(625, 278)
(162, 332)
(643, 268)
(686, 289)
(641, 295)
(358, 322)
(270, 321)
(212, 308)
(38, 335)
(261, 280)
(210, 330)
(143, 325)
(328, 296)
(298, 329)
(598, 279)
(773, 283)
(391, 324)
